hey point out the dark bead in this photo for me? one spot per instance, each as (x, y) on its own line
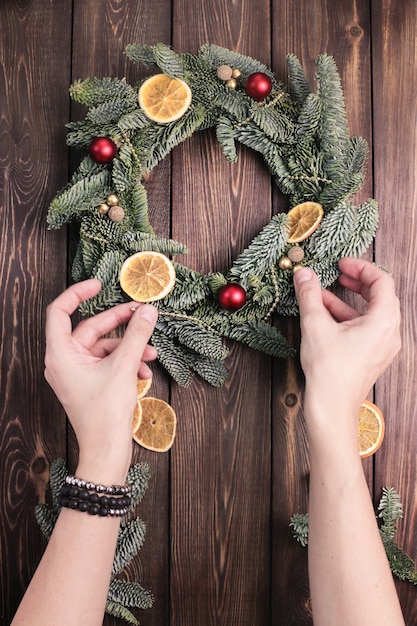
(83, 494)
(94, 498)
(73, 492)
(93, 509)
(83, 506)
(113, 503)
(72, 504)
(103, 511)
(64, 490)
(63, 501)
(104, 500)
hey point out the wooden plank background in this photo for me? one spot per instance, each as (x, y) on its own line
(218, 548)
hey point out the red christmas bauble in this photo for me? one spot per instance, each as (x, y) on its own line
(258, 86)
(232, 297)
(102, 150)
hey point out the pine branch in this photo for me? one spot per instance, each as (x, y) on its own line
(130, 594)
(129, 542)
(120, 612)
(263, 252)
(333, 131)
(299, 526)
(298, 81)
(138, 478)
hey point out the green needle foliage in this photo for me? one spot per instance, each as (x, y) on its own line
(304, 140)
(122, 595)
(390, 511)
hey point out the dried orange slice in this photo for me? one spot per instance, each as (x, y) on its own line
(137, 416)
(371, 429)
(143, 386)
(158, 426)
(147, 276)
(302, 221)
(164, 99)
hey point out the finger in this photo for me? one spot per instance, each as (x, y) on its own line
(58, 321)
(89, 331)
(308, 292)
(144, 371)
(374, 284)
(338, 309)
(138, 332)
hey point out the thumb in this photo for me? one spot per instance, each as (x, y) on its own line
(308, 291)
(137, 335)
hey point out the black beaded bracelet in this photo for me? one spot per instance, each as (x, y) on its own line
(79, 498)
(115, 490)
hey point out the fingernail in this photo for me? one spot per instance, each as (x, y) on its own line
(148, 313)
(302, 275)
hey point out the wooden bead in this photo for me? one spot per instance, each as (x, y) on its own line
(224, 72)
(296, 254)
(116, 213)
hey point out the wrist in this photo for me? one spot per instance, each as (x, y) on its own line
(104, 466)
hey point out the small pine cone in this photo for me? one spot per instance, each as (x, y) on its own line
(224, 72)
(296, 254)
(116, 213)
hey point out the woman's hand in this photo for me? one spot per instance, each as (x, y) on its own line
(342, 351)
(95, 377)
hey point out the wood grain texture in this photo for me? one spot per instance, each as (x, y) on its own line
(218, 549)
(32, 263)
(395, 140)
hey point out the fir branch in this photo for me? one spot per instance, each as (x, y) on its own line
(224, 135)
(93, 92)
(263, 252)
(333, 130)
(192, 334)
(212, 371)
(299, 526)
(261, 336)
(120, 612)
(46, 518)
(216, 55)
(130, 540)
(298, 80)
(140, 54)
(138, 478)
(130, 594)
(172, 358)
(82, 196)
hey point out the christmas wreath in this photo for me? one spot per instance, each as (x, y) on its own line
(304, 139)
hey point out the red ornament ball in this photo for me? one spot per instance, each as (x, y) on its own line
(231, 297)
(102, 150)
(258, 86)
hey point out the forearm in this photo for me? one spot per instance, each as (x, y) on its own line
(350, 579)
(71, 583)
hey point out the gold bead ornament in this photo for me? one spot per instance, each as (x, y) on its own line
(112, 200)
(103, 208)
(285, 263)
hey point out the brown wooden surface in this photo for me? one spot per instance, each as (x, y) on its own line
(218, 549)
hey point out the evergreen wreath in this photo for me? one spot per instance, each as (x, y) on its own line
(305, 142)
